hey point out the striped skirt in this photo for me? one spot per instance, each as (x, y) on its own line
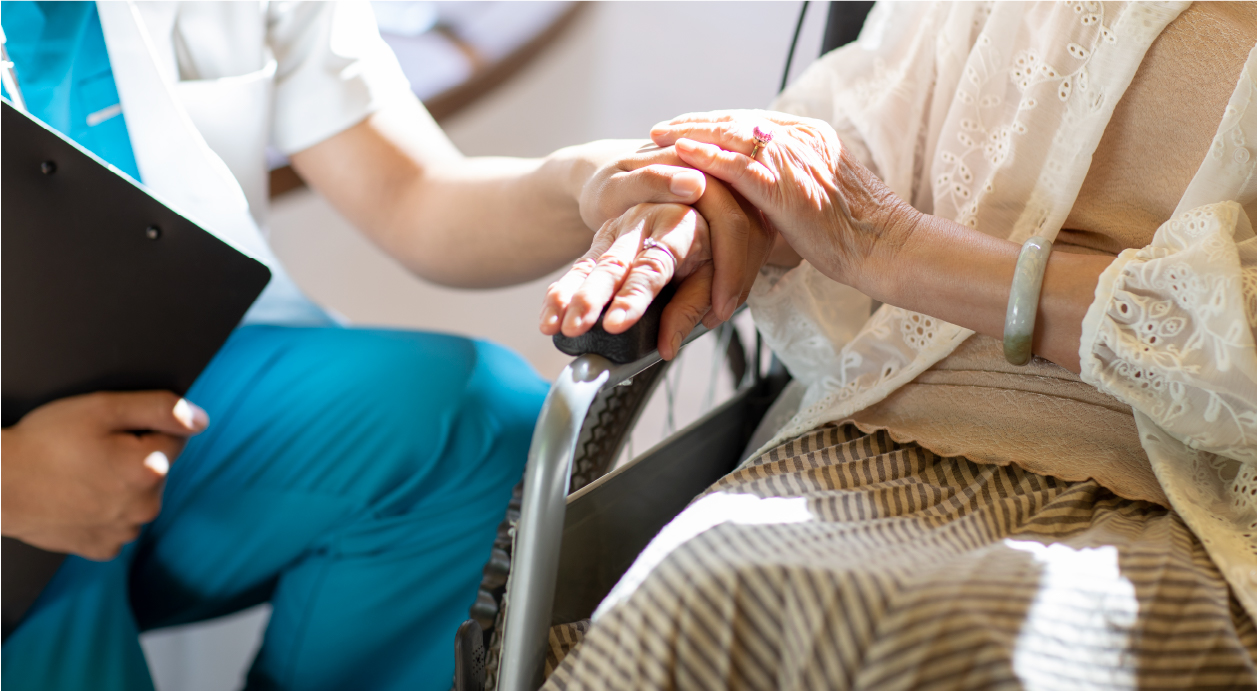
(843, 560)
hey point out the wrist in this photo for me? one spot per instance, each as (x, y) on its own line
(886, 266)
(870, 227)
(568, 171)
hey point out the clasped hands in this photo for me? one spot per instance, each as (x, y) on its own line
(802, 196)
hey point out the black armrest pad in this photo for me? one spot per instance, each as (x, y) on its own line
(639, 341)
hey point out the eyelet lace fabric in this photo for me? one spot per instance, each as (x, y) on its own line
(1011, 100)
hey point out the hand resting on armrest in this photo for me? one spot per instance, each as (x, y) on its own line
(713, 251)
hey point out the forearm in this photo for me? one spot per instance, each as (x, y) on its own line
(486, 222)
(964, 277)
(472, 222)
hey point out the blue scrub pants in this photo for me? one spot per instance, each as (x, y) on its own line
(354, 478)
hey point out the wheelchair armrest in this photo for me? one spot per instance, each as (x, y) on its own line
(603, 361)
(634, 344)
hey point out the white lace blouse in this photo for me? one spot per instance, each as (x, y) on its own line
(988, 114)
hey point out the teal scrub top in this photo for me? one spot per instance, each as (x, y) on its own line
(62, 65)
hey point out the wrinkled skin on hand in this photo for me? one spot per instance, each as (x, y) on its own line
(829, 209)
(825, 203)
(714, 249)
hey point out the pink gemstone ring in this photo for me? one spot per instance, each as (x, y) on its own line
(762, 137)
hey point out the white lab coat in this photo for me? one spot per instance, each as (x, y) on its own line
(205, 86)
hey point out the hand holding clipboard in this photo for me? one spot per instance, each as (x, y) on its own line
(104, 288)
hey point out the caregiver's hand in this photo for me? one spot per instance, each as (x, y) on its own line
(636, 254)
(84, 474)
(629, 173)
(830, 208)
(650, 174)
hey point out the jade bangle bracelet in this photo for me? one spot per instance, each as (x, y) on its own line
(1023, 300)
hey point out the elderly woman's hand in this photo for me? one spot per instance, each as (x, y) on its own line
(829, 207)
(651, 174)
(636, 254)
(851, 227)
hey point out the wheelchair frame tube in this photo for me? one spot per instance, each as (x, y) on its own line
(530, 590)
(539, 533)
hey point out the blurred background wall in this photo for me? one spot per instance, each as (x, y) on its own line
(613, 71)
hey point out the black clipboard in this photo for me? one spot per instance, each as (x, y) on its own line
(104, 288)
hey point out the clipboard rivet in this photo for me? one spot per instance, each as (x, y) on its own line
(152, 232)
(48, 167)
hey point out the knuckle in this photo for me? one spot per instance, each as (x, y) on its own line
(561, 287)
(607, 231)
(737, 224)
(691, 311)
(726, 159)
(106, 544)
(124, 536)
(653, 174)
(641, 286)
(146, 509)
(612, 264)
(652, 263)
(579, 271)
(580, 303)
(641, 210)
(102, 552)
(639, 293)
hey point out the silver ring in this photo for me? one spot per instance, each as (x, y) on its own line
(653, 244)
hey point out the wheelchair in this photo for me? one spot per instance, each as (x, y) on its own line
(574, 525)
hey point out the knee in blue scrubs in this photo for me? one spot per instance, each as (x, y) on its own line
(353, 478)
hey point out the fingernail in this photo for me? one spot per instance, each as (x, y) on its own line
(686, 146)
(675, 344)
(191, 415)
(730, 305)
(157, 462)
(686, 184)
(549, 316)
